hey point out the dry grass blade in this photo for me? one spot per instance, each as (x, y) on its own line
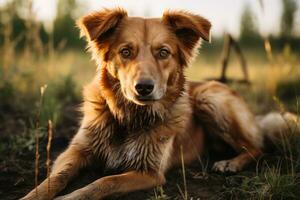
(268, 49)
(48, 162)
(183, 174)
(36, 160)
(37, 126)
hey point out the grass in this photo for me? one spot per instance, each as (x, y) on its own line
(66, 72)
(276, 176)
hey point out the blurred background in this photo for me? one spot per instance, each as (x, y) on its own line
(43, 64)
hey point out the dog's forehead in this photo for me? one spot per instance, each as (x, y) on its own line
(146, 29)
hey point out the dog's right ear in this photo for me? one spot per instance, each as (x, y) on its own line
(99, 25)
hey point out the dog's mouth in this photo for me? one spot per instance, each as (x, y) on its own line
(145, 99)
(142, 99)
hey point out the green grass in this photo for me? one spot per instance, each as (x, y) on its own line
(276, 176)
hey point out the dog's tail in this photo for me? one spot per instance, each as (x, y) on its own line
(277, 127)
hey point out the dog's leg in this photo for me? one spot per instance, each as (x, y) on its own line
(237, 163)
(109, 185)
(225, 115)
(65, 167)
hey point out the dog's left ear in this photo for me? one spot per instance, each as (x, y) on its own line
(188, 28)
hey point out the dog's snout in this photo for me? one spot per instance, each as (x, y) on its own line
(144, 87)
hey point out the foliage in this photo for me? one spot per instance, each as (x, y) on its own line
(16, 27)
(19, 24)
(65, 33)
(249, 30)
(288, 18)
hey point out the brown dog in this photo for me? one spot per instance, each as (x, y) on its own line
(139, 111)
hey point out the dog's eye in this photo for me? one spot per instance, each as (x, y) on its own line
(163, 53)
(125, 53)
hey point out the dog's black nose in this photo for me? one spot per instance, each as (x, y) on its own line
(144, 87)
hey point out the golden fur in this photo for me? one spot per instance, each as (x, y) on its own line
(140, 136)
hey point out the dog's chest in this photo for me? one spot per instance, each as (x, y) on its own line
(139, 151)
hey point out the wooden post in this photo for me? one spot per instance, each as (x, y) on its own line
(241, 58)
(228, 43)
(225, 56)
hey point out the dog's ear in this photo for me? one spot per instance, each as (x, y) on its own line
(99, 25)
(188, 28)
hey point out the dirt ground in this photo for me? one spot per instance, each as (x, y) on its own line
(17, 178)
(17, 171)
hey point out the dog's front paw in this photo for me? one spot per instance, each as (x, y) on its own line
(226, 166)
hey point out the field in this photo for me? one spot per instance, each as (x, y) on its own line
(37, 86)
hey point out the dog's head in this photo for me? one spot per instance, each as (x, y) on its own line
(147, 56)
